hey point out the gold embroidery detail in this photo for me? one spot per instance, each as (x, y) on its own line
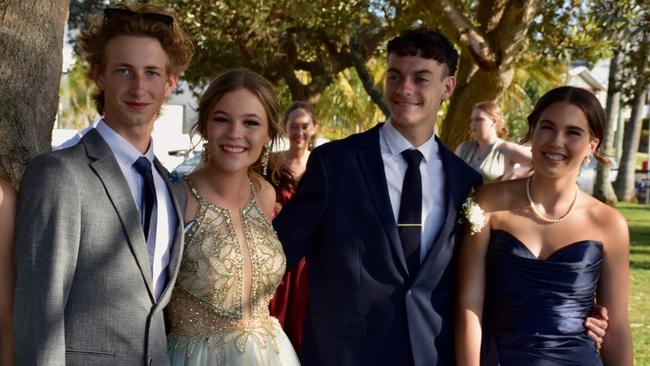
(206, 304)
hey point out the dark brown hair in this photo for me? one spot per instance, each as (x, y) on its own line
(428, 44)
(134, 21)
(581, 98)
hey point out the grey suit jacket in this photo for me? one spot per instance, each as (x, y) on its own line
(83, 282)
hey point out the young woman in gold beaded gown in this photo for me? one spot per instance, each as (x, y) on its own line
(232, 260)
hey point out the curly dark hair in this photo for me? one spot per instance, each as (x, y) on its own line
(426, 43)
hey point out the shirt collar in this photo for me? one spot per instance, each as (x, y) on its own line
(397, 143)
(124, 152)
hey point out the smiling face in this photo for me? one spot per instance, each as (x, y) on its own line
(237, 130)
(561, 140)
(415, 87)
(300, 129)
(134, 80)
(482, 125)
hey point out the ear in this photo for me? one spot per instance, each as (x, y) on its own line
(593, 144)
(98, 76)
(170, 84)
(448, 85)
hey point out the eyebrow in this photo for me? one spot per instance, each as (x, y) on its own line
(569, 127)
(417, 72)
(245, 115)
(148, 67)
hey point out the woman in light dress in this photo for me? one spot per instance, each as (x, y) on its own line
(232, 260)
(489, 153)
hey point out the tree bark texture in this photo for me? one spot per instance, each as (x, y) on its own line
(488, 57)
(624, 184)
(31, 41)
(603, 189)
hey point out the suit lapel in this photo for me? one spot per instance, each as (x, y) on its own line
(441, 249)
(109, 172)
(372, 166)
(177, 247)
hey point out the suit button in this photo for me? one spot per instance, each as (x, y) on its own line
(409, 292)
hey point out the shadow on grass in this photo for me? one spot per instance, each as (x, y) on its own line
(644, 265)
(639, 251)
(633, 207)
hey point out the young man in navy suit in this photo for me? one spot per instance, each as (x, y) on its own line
(379, 233)
(372, 299)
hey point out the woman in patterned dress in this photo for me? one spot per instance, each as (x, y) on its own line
(232, 260)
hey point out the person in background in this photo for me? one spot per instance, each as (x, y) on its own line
(289, 302)
(489, 154)
(7, 275)
(233, 261)
(99, 225)
(542, 252)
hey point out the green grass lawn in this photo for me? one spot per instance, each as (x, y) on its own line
(638, 219)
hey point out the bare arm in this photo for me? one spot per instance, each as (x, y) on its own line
(516, 154)
(613, 291)
(7, 274)
(266, 198)
(471, 285)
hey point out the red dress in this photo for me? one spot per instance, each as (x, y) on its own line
(289, 303)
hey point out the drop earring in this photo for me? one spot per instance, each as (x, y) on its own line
(265, 159)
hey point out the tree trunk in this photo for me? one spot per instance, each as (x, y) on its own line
(603, 189)
(624, 185)
(483, 85)
(31, 43)
(488, 58)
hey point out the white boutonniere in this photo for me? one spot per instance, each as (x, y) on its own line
(472, 214)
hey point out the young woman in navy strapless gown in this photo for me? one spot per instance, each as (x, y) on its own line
(547, 253)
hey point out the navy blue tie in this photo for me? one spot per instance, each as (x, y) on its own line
(410, 210)
(143, 166)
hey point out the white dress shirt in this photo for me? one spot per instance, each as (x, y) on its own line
(164, 221)
(392, 143)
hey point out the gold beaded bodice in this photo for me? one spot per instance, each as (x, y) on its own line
(208, 297)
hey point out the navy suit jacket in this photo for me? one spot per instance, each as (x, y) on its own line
(364, 309)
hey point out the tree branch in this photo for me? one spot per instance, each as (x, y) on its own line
(366, 79)
(466, 35)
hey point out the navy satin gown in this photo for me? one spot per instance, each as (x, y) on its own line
(535, 309)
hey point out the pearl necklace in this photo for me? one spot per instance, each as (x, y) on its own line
(539, 214)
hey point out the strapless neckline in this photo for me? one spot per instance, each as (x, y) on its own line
(597, 243)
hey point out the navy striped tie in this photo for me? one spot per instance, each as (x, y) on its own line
(143, 166)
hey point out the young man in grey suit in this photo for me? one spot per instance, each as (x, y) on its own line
(99, 225)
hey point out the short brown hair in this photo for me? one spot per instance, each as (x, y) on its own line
(176, 44)
(493, 110)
